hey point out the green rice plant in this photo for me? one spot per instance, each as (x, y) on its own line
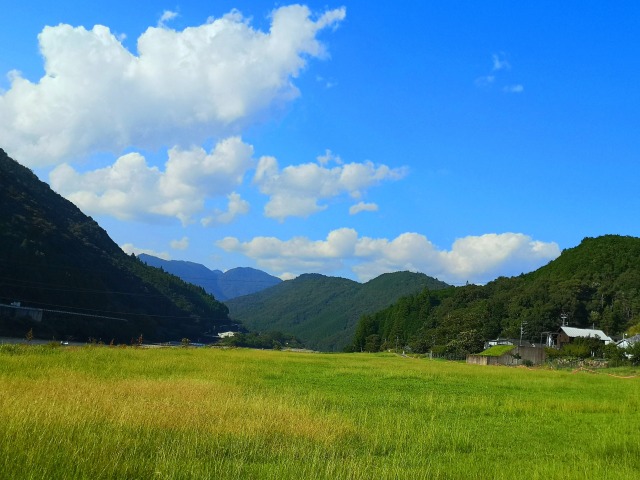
(174, 413)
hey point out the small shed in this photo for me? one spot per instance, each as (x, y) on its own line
(509, 355)
(569, 334)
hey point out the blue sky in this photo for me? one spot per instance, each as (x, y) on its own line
(465, 139)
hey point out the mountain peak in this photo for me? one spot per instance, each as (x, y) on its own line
(233, 283)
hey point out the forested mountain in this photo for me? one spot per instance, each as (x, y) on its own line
(223, 285)
(53, 257)
(323, 311)
(596, 284)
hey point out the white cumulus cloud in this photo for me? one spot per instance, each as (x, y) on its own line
(130, 189)
(296, 190)
(476, 259)
(179, 88)
(297, 255)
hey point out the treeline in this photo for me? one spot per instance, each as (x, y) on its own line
(267, 340)
(594, 285)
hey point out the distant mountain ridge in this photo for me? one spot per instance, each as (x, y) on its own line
(233, 283)
(54, 257)
(323, 311)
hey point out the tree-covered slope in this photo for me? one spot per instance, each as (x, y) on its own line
(323, 311)
(596, 284)
(54, 257)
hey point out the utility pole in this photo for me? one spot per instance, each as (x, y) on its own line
(522, 325)
(564, 317)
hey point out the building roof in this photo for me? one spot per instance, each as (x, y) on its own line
(630, 340)
(585, 332)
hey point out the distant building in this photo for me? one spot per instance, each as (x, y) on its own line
(226, 334)
(507, 341)
(569, 334)
(628, 342)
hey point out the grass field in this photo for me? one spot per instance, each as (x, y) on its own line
(206, 413)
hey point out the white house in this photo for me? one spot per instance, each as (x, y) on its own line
(627, 342)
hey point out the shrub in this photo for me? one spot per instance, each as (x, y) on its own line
(614, 354)
(439, 349)
(634, 352)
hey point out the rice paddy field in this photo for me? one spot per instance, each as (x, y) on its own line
(112, 413)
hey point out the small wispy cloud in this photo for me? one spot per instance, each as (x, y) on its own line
(485, 81)
(513, 89)
(236, 206)
(329, 157)
(500, 65)
(363, 207)
(499, 62)
(167, 16)
(327, 83)
(130, 248)
(181, 244)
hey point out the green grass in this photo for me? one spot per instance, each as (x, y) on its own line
(201, 413)
(497, 350)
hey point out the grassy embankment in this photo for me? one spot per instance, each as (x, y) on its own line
(186, 413)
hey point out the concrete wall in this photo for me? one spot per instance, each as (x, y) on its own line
(535, 355)
(16, 311)
(478, 359)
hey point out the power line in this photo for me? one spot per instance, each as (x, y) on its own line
(60, 311)
(82, 310)
(46, 286)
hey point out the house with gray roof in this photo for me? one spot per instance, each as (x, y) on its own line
(628, 342)
(569, 334)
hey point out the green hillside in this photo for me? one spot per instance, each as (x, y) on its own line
(596, 284)
(323, 311)
(55, 258)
